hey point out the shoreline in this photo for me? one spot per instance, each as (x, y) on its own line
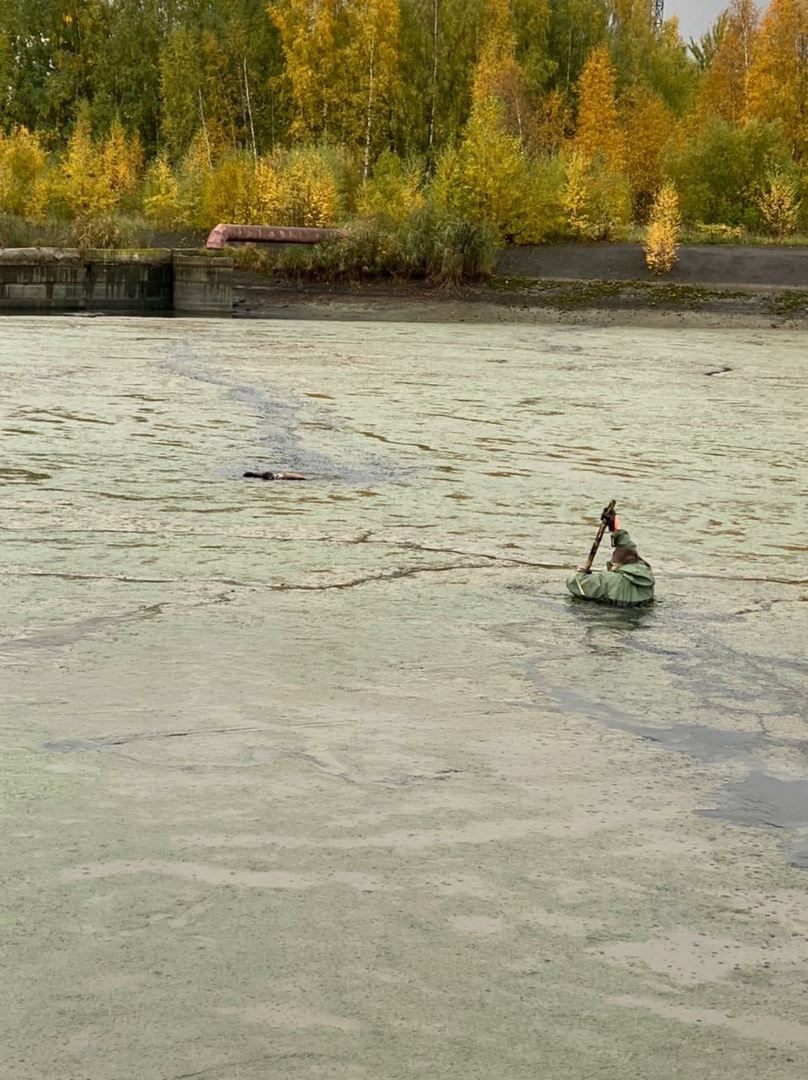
(527, 301)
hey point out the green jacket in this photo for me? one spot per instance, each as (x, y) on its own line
(626, 586)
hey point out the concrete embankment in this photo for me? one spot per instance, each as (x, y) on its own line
(716, 265)
(149, 280)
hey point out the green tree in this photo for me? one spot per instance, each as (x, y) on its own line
(719, 169)
(576, 27)
(438, 48)
(371, 59)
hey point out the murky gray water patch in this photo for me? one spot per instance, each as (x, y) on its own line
(766, 800)
(281, 422)
(355, 717)
(761, 799)
(77, 631)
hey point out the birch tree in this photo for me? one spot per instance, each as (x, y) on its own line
(724, 89)
(778, 78)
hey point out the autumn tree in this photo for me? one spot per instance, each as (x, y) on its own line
(497, 73)
(86, 185)
(647, 125)
(24, 186)
(724, 90)
(552, 123)
(161, 195)
(598, 128)
(596, 200)
(664, 231)
(778, 78)
(484, 179)
(313, 36)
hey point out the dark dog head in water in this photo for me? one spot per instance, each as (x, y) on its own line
(274, 476)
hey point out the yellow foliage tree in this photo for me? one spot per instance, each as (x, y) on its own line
(392, 191)
(595, 201)
(778, 78)
(341, 68)
(664, 231)
(647, 126)
(307, 193)
(86, 186)
(24, 179)
(228, 193)
(497, 73)
(484, 179)
(244, 191)
(724, 89)
(313, 36)
(598, 129)
(161, 202)
(267, 192)
(121, 160)
(193, 174)
(551, 124)
(780, 206)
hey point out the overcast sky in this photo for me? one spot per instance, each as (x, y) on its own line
(696, 16)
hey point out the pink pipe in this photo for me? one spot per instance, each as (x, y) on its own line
(269, 234)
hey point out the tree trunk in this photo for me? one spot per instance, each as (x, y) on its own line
(369, 116)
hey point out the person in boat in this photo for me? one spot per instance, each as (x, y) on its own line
(274, 476)
(627, 581)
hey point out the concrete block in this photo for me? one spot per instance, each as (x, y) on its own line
(203, 285)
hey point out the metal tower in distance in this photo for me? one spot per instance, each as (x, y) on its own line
(657, 13)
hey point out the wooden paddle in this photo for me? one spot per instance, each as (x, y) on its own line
(594, 549)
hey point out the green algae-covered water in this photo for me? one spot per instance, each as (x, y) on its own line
(333, 779)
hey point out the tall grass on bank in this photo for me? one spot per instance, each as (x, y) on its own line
(427, 245)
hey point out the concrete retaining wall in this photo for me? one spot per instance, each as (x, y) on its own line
(774, 266)
(33, 279)
(203, 285)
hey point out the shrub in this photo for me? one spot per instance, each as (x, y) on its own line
(664, 231)
(542, 216)
(428, 244)
(393, 190)
(721, 233)
(719, 169)
(103, 230)
(228, 191)
(780, 206)
(596, 201)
